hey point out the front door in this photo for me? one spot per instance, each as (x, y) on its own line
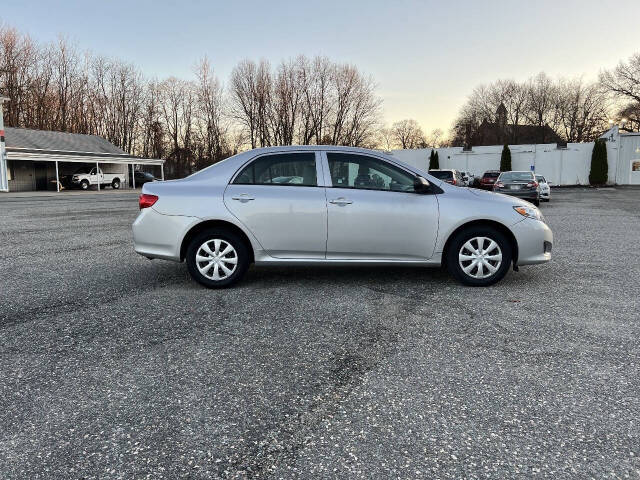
(278, 199)
(374, 213)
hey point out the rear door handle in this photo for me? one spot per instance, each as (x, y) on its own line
(341, 201)
(243, 197)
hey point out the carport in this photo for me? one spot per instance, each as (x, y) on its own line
(34, 158)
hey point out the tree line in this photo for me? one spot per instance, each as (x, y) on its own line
(192, 123)
(576, 110)
(196, 122)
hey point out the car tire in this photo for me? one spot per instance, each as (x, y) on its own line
(205, 272)
(84, 185)
(466, 244)
(115, 184)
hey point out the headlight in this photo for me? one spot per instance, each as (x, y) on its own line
(531, 212)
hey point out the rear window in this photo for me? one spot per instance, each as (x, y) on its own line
(491, 174)
(441, 174)
(516, 176)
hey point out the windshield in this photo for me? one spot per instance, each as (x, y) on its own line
(441, 174)
(516, 176)
(540, 179)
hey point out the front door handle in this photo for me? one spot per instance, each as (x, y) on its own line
(243, 197)
(341, 201)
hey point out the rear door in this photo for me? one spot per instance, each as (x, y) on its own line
(374, 212)
(278, 198)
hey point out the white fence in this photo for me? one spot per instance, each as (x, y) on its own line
(562, 166)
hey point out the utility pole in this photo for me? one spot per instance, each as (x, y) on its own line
(4, 181)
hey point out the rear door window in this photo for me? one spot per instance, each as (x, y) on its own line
(293, 169)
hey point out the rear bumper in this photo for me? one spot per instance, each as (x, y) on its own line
(160, 236)
(535, 241)
(526, 194)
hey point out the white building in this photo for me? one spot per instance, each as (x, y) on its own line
(562, 166)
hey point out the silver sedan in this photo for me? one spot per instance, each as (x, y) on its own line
(338, 206)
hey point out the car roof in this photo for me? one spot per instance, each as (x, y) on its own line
(227, 167)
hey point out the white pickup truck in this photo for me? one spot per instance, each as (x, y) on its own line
(84, 180)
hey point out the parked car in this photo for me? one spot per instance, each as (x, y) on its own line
(141, 178)
(84, 180)
(467, 177)
(353, 207)
(451, 176)
(545, 188)
(488, 179)
(519, 184)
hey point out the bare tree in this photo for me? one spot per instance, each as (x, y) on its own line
(623, 85)
(407, 134)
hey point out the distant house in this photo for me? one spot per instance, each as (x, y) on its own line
(499, 132)
(39, 159)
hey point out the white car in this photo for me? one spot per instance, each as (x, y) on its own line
(468, 178)
(333, 205)
(545, 189)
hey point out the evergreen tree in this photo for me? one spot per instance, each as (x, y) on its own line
(434, 163)
(505, 159)
(599, 166)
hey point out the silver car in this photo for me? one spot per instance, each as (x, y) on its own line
(338, 206)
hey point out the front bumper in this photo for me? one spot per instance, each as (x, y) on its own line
(535, 241)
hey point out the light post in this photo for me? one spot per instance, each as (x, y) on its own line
(4, 181)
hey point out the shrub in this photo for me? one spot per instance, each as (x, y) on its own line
(599, 166)
(505, 159)
(434, 161)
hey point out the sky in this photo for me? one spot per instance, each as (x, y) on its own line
(425, 56)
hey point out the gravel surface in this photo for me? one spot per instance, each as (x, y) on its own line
(112, 366)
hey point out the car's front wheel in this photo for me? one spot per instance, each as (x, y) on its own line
(479, 256)
(217, 258)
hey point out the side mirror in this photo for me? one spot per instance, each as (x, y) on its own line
(421, 184)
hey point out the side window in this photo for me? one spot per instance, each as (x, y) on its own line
(297, 169)
(361, 171)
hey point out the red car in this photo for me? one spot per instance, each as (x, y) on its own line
(488, 179)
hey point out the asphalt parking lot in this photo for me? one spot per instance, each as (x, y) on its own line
(113, 366)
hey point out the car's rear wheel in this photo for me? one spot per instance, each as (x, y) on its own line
(479, 256)
(217, 258)
(115, 184)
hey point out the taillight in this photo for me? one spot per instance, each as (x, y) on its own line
(532, 185)
(453, 182)
(498, 185)
(146, 200)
